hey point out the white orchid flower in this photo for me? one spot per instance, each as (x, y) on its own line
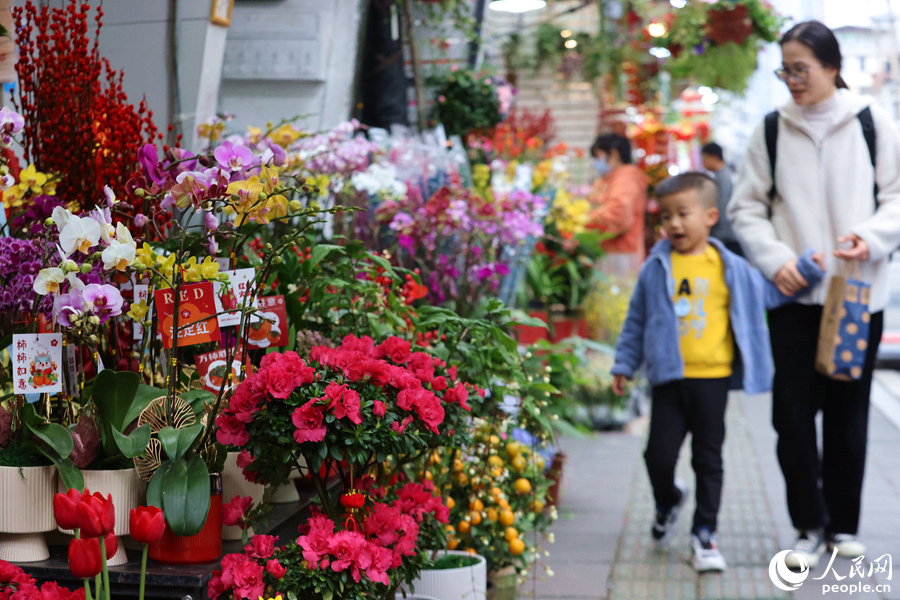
(121, 251)
(48, 280)
(111, 199)
(104, 219)
(61, 217)
(74, 282)
(80, 233)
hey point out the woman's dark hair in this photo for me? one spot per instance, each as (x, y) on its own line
(610, 141)
(820, 39)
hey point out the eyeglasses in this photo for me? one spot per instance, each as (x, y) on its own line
(800, 74)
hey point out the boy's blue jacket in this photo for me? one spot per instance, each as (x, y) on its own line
(650, 332)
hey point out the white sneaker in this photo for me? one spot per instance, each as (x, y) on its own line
(665, 523)
(706, 552)
(848, 545)
(807, 549)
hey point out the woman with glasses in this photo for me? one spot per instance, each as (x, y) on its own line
(819, 190)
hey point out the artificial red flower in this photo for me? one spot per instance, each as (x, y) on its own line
(84, 557)
(275, 568)
(65, 509)
(235, 511)
(147, 524)
(96, 514)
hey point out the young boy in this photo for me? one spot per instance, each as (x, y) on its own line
(694, 302)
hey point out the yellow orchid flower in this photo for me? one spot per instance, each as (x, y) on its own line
(190, 271)
(269, 178)
(255, 133)
(31, 179)
(138, 310)
(286, 135)
(248, 207)
(166, 268)
(209, 268)
(144, 256)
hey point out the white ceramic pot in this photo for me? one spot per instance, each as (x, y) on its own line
(127, 491)
(235, 484)
(26, 498)
(465, 583)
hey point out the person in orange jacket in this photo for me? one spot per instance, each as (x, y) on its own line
(619, 195)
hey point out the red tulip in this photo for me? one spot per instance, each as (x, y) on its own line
(96, 515)
(147, 524)
(84, 557)
(112, 545)
(64, 509)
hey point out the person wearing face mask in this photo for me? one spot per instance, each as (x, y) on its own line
(618, 196)
(810, 179)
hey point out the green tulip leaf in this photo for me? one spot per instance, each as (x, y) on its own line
(134, 443)
(186, 495)
(177, 442)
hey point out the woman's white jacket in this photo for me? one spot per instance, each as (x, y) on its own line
(824, 190)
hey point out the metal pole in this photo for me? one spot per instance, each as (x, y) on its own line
(895, 62)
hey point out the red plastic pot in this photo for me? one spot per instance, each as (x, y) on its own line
(527, 334)
(202, 547)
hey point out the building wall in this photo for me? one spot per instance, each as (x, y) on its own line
(325, 38)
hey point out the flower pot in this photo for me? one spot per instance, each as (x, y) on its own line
(287, 493)
(202, 547)
(555, 473)
(464, 583)
(127, 491)
(26, 498)
(235, 484)
(502, 584)
(528, 334)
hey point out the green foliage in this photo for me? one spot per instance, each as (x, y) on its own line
(180, 486)
(465, 102)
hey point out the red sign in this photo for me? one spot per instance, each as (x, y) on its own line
(272, 328)
(213, 369)
(196, 307)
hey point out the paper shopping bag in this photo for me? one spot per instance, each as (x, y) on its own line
(844, 330)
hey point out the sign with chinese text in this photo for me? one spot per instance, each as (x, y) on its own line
(232, 297)
(37, 363)
(196, 309)
(271, 330)
(213, 369)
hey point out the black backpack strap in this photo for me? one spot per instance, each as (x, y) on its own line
(868, 129)
(771, 124)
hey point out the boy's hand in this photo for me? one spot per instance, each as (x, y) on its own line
(618, 385)
(819, 259)
(788, 278)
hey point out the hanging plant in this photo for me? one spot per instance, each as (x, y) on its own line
(465, 102)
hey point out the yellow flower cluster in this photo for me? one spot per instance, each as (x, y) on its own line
(606, 306)
(192, 271)
(31, 182)
(570, 215)
(256, 199)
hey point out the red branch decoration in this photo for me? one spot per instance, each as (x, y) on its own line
(78, 122)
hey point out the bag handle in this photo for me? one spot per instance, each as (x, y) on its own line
(851, 269)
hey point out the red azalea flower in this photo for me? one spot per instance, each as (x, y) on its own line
(260, 546)
(396, 349)
(350, 551)
(364, 345)
(231, 431)
(308, 419)
(315, 542)
(235, 511)
(421, 365)
(379, 409)
(439, 384)
(147, 524)
(275, 569)
(244, 460)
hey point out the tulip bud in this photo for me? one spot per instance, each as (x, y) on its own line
(147, 524)
(84, 558)
(64, 506)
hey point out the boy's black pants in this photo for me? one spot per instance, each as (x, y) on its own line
(698, 406)
(827, 493)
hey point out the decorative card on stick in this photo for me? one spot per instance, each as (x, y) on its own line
(37, 363)
(271, 329)
(196, 309)
(231, 297)
(213, 369)
(141, 292)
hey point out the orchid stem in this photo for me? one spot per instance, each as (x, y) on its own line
(105, 568)
(143, 572)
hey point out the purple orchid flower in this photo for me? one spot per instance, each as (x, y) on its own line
(103, 300)
(11, 123)
(149, 160)
(279, 156)
(233, 157)
(67, 305)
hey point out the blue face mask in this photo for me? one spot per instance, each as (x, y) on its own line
(601, 166)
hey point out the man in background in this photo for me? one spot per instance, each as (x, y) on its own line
(714, 162)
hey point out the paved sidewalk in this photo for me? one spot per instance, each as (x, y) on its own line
(603, 549)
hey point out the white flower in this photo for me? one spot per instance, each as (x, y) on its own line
(79, 233)
(121, 251)
(110, 196)
(48, 280)
(75, 282)
(60, 217)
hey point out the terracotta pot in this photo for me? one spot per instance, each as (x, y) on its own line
(127, 491)
(235, 484)
(555, 474)
(26, 498)
(502, 584)
(453, 584)
(202, 547)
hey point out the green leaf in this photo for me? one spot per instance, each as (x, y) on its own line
(53, 434)
(197, 398)
(155, 487)
(70, 474)
(134, 443)
(113, 394)
(186, 495)
(320, 252)
(177, 442)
